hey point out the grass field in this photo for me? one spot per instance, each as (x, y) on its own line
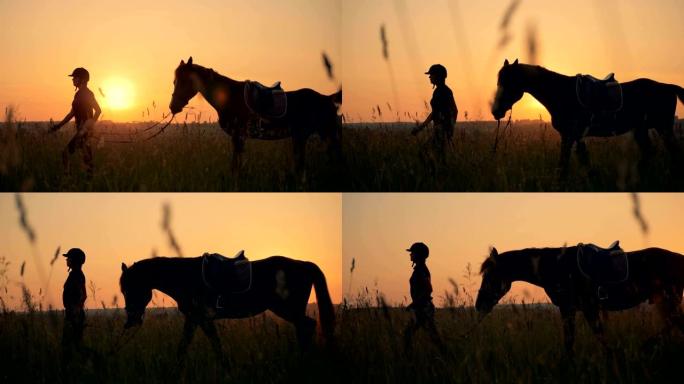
(516, 343)
(261, 350)
(378, 157)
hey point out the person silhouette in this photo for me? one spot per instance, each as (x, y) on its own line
(443, 116)
(421, 296)
(73, 298)
(86, 111)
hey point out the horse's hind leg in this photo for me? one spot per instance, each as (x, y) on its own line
(305, 326)
(644, 143)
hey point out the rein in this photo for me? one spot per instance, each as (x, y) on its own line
(498, 124)
(129, 141)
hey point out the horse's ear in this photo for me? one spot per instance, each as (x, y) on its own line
(493, 254)
(182, 62)
(123, 267)
(506, 63)
(190, 60)
(515, 62)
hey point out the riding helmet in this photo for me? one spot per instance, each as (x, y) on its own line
(420, 250)
(81, 73)
(76, 254)
(437, 70)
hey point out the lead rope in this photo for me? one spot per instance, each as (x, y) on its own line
(129, 141)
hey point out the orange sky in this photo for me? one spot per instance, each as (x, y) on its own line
(633, 38)
(141, 43)
(117, 227)
(460, 228)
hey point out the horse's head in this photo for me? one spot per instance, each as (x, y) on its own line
(508, 89)
(136, 294)
(185, 86)
(494, 283)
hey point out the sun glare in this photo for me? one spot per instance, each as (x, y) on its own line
(118, 93)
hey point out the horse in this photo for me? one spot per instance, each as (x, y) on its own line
(279, 284)
(655, 275)
(645, 104)
(307, 112)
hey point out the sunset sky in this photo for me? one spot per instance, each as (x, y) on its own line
(131, 49)
(460, 228)
(114, 228)
(633, 38)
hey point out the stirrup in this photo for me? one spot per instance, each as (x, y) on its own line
(218, 300)
(601, 294)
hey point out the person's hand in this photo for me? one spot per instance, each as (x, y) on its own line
(53, 128)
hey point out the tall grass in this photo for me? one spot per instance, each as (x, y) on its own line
(377, 157)
(516, 343)
(262, 349)
(384, 157)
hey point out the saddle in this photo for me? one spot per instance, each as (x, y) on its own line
(603, 97)
(225, 275)
(603, 266)
(266, 102)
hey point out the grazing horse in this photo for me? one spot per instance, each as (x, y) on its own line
(307, 112)
(655, 275)
(644, 104)
(277, 283)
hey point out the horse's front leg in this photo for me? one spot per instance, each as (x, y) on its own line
(209, 329)
(188, 332)
(564, 163)
(238, 141)
(583, 153)
(299, 151)
(591, 313)
(568, 316)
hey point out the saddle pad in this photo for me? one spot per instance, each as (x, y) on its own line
(602, 265)
(267, 103)
(227, 275)
(599, 96)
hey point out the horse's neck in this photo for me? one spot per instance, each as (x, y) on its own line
(541, 84)
(526, 265)
(214, 86)
(168, 277)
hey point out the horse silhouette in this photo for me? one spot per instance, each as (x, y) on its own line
(655, 275)
(277, 283)
(644, 104)
(307, 112)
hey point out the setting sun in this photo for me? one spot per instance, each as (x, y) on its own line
(118, 93)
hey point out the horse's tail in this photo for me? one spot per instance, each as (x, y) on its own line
(326, 311)
(337, 97)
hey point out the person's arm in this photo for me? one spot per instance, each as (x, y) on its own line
(97, 109)
(419, 127)
(64, 121)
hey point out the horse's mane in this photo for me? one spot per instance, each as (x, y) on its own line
(207, 72)
(527, 252)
